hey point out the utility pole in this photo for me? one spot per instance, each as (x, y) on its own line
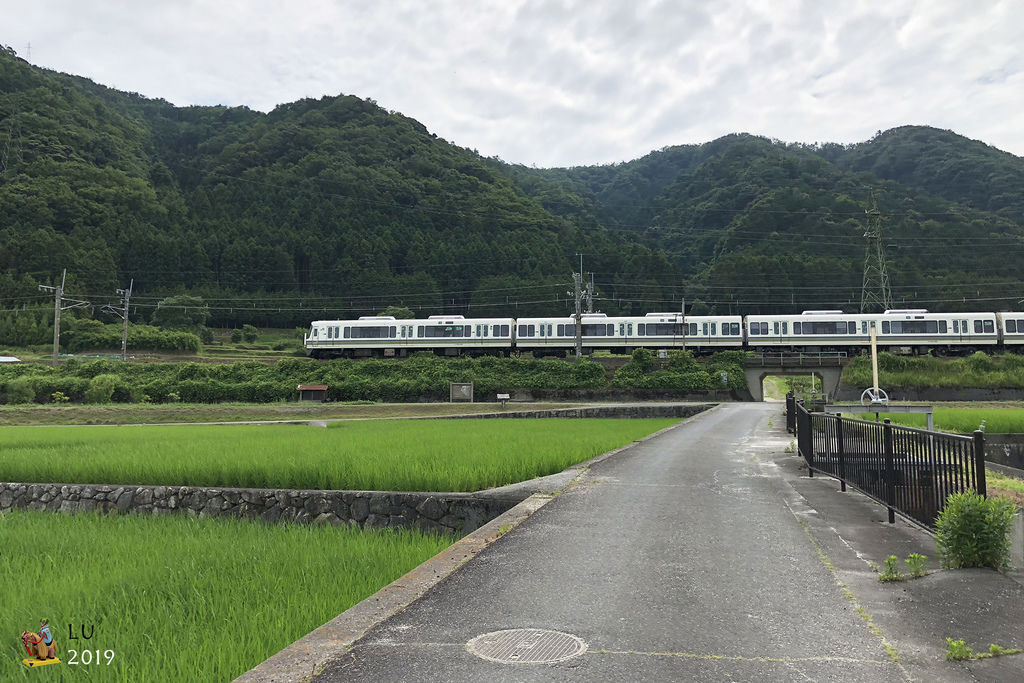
(874, 291)
(58, 306)
(590, 294)
(578, 297)
(123, 313)
(683, 309)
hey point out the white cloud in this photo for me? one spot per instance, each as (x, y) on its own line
(564, 83)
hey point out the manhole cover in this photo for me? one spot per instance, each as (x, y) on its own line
(527, 646)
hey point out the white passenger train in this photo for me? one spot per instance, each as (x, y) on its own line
(906, 331)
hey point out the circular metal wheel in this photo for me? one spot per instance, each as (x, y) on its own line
(869, 397)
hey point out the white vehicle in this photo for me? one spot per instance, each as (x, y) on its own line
(385, 336)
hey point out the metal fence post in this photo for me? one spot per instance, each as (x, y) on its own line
(790, 413)
(979, 462)
(890, 470)
(841, 451)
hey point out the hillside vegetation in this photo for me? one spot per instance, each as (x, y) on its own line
(336, 207)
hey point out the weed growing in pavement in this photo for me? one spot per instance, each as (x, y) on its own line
(892, 570)
(915, 563)
(958, 650)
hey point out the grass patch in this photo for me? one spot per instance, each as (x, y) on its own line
(184, 599)
(399, 455)
(963, 420)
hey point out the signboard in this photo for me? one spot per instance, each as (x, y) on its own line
(461, 391)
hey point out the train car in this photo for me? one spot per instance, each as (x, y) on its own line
(901, 331)
(384, 336)
(1011, 326)
(622, 334)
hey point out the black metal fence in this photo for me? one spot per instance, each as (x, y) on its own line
(911, 471)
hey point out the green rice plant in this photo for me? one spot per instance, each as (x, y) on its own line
(399, 455)
(974, 531)
(180, 599)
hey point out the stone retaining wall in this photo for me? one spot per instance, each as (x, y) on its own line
(457, 513)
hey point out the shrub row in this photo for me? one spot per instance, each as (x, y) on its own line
(420, 376)
(681, 372)
(393, 380)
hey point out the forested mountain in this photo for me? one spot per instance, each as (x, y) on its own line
(336, 207)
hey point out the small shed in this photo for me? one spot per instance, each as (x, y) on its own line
(316, 393)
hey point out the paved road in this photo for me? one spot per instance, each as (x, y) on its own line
(687, 557)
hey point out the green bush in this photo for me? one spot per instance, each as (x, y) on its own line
(250, 333)
(236, 336)
(974, 531)
(101, 389)
(21, 390)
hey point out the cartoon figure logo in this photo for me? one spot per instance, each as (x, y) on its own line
(41, 646)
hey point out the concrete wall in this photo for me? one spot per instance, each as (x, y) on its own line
(457, 513)
(848, 393)
(1005, 449)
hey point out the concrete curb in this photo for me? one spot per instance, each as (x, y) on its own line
(304, 658)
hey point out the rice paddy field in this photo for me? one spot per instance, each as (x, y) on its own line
(964, 420)
(396, 455)
(180, 599)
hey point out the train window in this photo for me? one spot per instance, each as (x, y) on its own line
(885, 327)
(764, 328)
(622, 329)
(785, 327)
(403, 331)
(704, 329)
(915, 326)
(570, 330)
(478, 332)
(735, 328)
(754, 329)
(956, 327)
(419, 331)
(641, 329)
(942, 327)
(714, 329)
(542, 330)
(314, 332)
(851, 327)
(549, 330)
(963, 326)
(594, 330)
(977, 327)
(863, 326)
(611, 330)
(797, 328)
(329, 332)
(393, 331)
(485, 330)
(629, 329)
(1011, 326)
(989, 327)
(693, 329)
(561, 330)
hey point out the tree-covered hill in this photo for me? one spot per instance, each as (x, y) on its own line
(336, 207)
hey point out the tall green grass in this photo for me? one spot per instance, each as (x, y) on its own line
(400, 455)
(966, 420)
(183, 599)
(979, 370)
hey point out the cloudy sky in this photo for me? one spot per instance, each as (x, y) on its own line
(559, 83)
